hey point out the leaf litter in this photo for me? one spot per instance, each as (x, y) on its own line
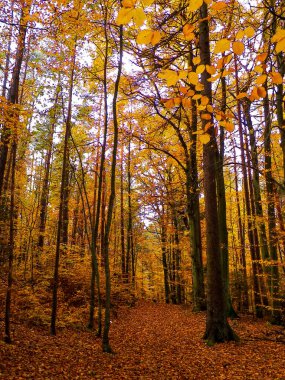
(151, 341)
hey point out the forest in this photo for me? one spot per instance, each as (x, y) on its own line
(142, 184)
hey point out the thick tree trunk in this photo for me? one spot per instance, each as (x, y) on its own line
(217, 327)
(222, 211)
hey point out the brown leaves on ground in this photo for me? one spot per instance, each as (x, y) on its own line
(151, 342)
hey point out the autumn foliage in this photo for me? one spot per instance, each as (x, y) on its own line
(142, 157)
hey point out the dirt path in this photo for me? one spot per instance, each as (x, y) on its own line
(151, 342)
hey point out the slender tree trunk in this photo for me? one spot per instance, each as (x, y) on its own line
(64, 183)
(7, 336)
(274, 272)
(14, 89)
(164, 259)
(99, 206)
(122, 222)
(130, 246)
(45, 186)
(254, 250)
(105, 342)
(193, 212)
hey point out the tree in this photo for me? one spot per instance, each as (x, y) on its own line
(217, 327)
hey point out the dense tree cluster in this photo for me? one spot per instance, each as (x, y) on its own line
(144, 143)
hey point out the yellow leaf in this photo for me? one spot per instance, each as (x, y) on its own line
(219, 5)
(228, 58)
(261, 79)
(240, 35)
(210, 108)
(183, 90)
(279, 35)
(147, 3)
(241, 95)
(205, 138)
(221, 63)
(139, 16)
(124, 16)
(144, 37)
(210, 69)
(222, 46)
(155, 38)
(188, 32)
(200, 69)
(258, 69)
(254, 95)
(225, 73)
(196, 60)
(194, 5)
(206, 116)
(213, 79)
(280, 46)
(193, 77)
(200, 107)
(229, 126)
(238, 47)
(261, 92)
(249, 32)
(204, 100)
(261, 57)
(177, 101)
(169, 103)
(199, 87)
(170, 76)
(190, 93)
(276, 77)
(186, 103)
(208, 126)
(128, 3)
(183, 74)
(197, 96)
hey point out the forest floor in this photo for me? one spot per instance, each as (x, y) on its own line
(151, 341)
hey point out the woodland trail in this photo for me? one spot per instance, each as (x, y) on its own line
(151, 341)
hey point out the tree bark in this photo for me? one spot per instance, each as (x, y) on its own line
(217, 327)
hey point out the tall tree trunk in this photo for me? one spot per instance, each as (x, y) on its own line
(193, 211)
(45, 186)
(13, 93)
(105, 342)
(253, 244)
(6, 138)
(64, 183)
(122, 221)
(217, 327)
(99, 207)
(222, 211)
(274, 280)
(7, 336)
(164, 258)
(130, 246)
